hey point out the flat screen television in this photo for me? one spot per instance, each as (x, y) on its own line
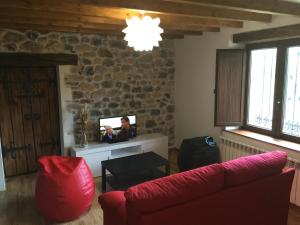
(117, 129)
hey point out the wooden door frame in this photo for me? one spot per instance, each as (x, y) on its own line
(40, 60)
(37, 60)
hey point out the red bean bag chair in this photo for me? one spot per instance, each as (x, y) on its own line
(65, 188)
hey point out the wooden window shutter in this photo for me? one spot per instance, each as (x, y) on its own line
(229, 87)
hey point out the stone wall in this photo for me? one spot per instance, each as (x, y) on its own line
(110, 77)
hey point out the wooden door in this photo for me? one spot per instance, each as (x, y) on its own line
(29, 119)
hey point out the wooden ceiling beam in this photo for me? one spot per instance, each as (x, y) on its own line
(89, 27)
(122, 14)
(175, 8)
(99, 26)
(44, 15)
(277, 33)
(196, 33)
(54, 28)
(68, 29)
(264, 6)
(173, 36)
(60, 23)
(117, 16)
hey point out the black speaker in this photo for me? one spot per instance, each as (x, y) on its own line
(197, 152)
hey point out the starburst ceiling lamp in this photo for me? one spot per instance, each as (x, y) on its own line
(143, 34)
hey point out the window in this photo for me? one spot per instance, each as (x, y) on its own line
(273, 96)
(261, 87)
(291, 116)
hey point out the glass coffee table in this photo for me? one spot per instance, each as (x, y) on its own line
(131, 170)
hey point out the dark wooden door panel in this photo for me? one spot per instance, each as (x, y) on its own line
(38, 101)
(6, 126)
(29, 119)
(52, 94)
(46, 119)
(229, 87)
(29, 136)
(19, 147)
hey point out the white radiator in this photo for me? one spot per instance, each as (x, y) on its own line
(231, 149)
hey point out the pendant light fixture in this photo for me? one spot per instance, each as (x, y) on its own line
(143, 33)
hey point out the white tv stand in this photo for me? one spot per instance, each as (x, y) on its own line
(97, 152)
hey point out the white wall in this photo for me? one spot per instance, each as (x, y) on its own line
(66, 116)
(195, 77)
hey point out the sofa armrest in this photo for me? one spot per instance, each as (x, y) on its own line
(114, 209)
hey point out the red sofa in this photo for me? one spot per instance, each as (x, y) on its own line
(253, 190)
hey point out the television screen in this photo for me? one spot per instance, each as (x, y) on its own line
(116, 129)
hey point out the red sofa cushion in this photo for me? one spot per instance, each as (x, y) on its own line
(250, 168)
(174, 189)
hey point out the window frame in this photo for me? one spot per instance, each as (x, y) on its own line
(281, 66)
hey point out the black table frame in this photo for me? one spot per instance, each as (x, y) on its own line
(164, 162)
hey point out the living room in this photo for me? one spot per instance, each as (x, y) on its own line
(68, 77)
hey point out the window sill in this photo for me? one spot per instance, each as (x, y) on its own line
(267, 139)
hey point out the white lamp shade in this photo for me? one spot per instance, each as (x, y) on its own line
(143, 34)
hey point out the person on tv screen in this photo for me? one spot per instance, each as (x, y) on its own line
(127, 131)
(109, 135)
